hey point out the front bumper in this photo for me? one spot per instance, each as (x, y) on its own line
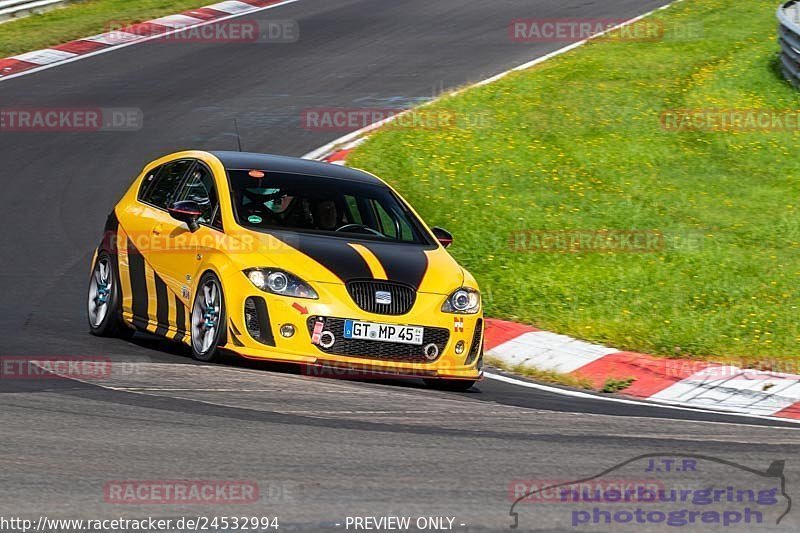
(263, 340)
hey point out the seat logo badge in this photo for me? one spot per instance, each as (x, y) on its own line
(383, 297)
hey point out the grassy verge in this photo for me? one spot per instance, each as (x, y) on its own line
(546, 376)
(82, 19)
(578, 143)
(610, 386)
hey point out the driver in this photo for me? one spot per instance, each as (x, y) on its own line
(326, 215)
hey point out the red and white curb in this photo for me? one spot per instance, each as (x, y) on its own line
(675, 382)
(700, 384)
(682, 382)
(28, 62)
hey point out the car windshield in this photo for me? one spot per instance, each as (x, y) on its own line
(296, 202)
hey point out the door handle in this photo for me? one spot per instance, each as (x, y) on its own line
(158, 229)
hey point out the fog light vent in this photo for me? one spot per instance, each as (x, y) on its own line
(251, 318)
(477, 341)
(256, 319)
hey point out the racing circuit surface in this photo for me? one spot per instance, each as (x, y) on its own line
(320, 449)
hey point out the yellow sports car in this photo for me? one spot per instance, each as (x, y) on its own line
(290, 260)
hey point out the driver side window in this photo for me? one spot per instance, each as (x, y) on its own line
(200, 188)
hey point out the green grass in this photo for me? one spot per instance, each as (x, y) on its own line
(546, 376)
(576, 143)
(613, 385)
(82, 19)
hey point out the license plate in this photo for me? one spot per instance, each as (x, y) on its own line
(383, 332)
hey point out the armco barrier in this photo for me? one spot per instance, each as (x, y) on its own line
(789, 39)
(11, 9)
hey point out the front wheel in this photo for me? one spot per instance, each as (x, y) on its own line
(452, 385)
(104, 302)
(208, 319)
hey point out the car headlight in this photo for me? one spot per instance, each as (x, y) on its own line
(463, 301)
(280, 282)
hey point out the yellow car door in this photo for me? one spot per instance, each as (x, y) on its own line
(157, 243)
(199, 192)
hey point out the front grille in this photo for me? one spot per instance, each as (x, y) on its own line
(364, 293)
(387, 351)
(477, 339)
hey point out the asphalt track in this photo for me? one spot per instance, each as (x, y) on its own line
(320, 449)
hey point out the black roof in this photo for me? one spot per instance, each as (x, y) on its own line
(292, 165)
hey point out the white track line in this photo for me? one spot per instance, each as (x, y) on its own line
(144, 40)
(328, 148)
(674, 406)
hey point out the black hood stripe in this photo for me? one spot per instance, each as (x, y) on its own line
(375, 266)
(402, 263)
(334, 254)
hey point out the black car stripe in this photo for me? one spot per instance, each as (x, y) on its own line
(138, 286)
(402, 263)
(180, 319)
(334, 254)
(162, 306)
(236, 341)
(109, 241)
(263, 319)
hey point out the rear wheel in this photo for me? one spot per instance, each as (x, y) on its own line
(453, 385)
(105, 301)
(208, 319)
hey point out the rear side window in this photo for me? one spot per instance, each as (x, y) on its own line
(147, 183)
(160, 189)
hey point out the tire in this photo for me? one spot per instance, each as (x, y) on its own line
(452, 385)
(209, 320)
(104, 302)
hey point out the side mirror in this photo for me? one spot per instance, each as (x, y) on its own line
(187, 211)
(444, 237)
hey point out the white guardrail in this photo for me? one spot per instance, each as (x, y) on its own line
(11, 9)
(789, 39)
